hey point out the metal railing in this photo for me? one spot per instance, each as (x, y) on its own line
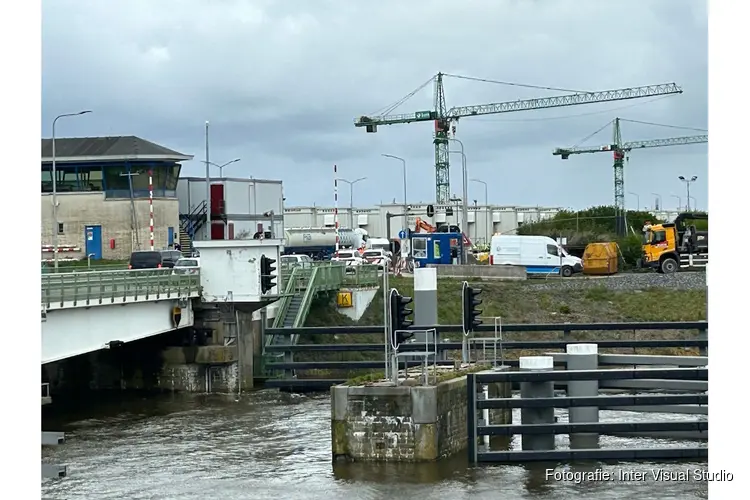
(483, 351)
(364, 275)
(539, 424)
(309, 278)
(63, 290)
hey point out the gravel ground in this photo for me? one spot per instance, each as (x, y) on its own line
(625, 281)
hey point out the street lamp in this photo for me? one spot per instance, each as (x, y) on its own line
(679, 201)
(54, 183)
(406, 206)
(351, 199)
(658, 201)
(221, 167)
(687, 185)
(486, 209)
(695, 202)
(464, 208)
(637, 200)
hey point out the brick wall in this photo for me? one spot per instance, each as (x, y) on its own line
(78, 210)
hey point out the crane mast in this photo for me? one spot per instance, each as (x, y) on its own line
(444, 118)
(440, 139)
(619, 149)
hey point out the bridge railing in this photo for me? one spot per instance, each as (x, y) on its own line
(364, 275)
(111, 287)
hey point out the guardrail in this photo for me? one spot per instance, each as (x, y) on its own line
(61, 290)
(288, 350)
(539, 425)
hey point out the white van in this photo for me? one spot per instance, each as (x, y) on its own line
(539, 254)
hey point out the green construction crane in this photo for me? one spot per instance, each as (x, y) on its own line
(619, 149)
(445, 118)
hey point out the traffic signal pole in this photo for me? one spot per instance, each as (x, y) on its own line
(386, 324)
(470, 316)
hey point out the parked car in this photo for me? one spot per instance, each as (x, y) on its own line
(351, 258)
(187, 265)
(145, 260)
(170, 257)
(376, 257)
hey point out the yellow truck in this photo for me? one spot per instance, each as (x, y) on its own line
(676, 245)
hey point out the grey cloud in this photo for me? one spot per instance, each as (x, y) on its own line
(281, 83)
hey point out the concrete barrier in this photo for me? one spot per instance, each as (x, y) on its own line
(476, 271)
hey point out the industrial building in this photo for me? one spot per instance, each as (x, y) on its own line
(483, 220)
(239, 209)
(103, 196)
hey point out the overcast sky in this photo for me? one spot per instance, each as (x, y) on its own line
(282, 81)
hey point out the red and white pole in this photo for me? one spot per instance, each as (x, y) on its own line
(336, 205)
(151, 206)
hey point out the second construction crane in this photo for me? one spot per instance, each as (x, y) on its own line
(445, 119)
(619, 149)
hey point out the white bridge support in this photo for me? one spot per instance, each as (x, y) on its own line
(73, 331)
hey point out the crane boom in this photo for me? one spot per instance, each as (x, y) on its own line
(443, 117)
(524, 105)
(565, 100)
(629, 146)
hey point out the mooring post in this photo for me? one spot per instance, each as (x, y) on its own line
(533, 390)
(583, 357)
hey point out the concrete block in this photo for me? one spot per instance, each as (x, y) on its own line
(424, 405)
(213, 354)
(339, 402)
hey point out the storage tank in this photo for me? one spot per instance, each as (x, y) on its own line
(323, 237)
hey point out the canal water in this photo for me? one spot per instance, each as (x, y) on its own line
(271, 445)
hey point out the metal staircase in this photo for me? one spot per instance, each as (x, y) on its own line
(190, 224)
(292, 311)
(302, 283)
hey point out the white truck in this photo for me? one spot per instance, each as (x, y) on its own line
(540, 255)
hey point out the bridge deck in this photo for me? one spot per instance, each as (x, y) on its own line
(86, 289)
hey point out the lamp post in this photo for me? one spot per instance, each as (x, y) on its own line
(486, 209)
(351, 198)
(465, 197)
(208, 190)
(637, 200)
(221, 167)
(658, 201)
(687, 185)
(406, 206)
(679, 201)
(695, 202)
(56, 230)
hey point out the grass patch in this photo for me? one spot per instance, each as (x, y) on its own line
(518, 302)
(83, 265)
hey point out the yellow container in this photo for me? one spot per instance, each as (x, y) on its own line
(600, 258)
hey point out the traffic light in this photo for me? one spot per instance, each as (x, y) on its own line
(470, 312)
(399, 319)
(267, 277)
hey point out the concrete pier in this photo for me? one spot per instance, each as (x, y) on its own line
(531, 390)
(385, 423)
(583, 357)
